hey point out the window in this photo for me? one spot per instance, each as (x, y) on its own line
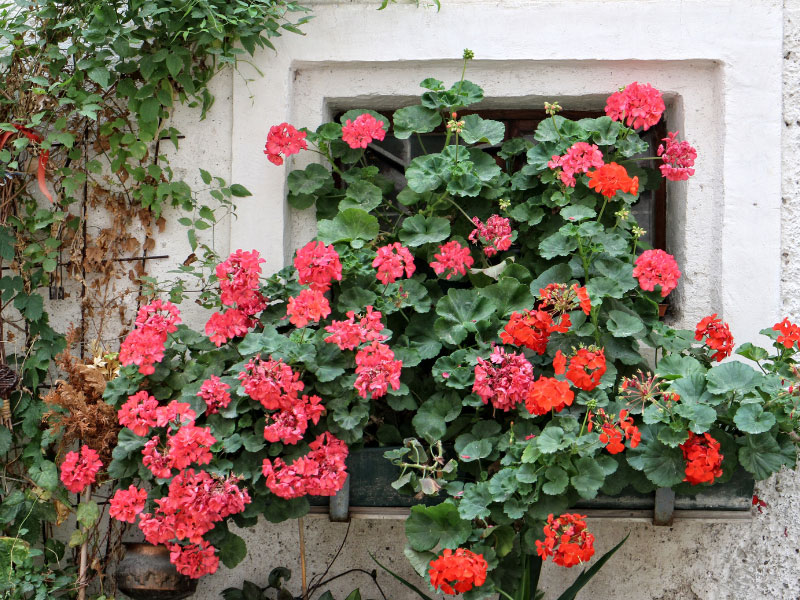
(393, 155)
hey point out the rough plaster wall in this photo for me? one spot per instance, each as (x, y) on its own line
(754, 560)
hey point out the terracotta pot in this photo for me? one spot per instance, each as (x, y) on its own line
(145, 573)
(662, 310)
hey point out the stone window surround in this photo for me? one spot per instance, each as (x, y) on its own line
(723, 92)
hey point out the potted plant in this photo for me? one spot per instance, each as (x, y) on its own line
(501, 301)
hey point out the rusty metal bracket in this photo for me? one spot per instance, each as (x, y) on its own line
(664, 509)
(339, 507)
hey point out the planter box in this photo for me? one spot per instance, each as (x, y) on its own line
(369, 493)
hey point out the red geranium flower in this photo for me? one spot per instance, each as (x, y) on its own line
(452, 258)
(284, 139)
(612, 178)
(377, 370)
(79, 469)
(194, 560)
(349, 334)
(359, 133)
(546, 394)
(309, 306)
(789, 333)
(717, 336)
(656, 267)
(586, 368)
(215, 393)
(532, 329)
(317, 265)
(495, 234)
(126, 504)
(566, 540)
(458, 572)
(563, 298)
(504, 379)
(612, 431)
(703, 459)
(224, 326)
(639, 105)
(678, 158)
(391, 261)
(138, 413)
(578, 159)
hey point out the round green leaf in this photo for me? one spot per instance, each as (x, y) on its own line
(478, 130)
(752, 418)
(415, 119)
(348, 226)
(419, 230)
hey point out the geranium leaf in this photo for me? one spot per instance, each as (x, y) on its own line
(432, 417)
(425, 173)
(752, 418)
(310, 180)
(576, 213)
(232, 550)
(475, 502)
(361, 194)
(503, 484)
(352, 225)
(553, 439)
(664, 466)
(671, 437)
(509, 295)
(429, 526)
(415, 119)
(419, 230)
(463, 309)
(701, 416)
(557, 481)
(624, 324)
(732, 377)
(477, 130)
(761, 455)
(589, 479)
(557, 244)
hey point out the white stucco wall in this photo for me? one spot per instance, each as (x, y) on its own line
(726, 66)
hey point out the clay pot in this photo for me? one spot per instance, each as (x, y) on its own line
(145, 573)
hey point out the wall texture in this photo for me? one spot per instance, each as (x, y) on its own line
(736, 230)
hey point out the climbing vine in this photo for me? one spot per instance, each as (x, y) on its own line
(87, 92)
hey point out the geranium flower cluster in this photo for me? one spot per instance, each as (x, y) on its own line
(356, 330)
(638, 105)
(504, 379)
(566, 540)
(359, 133)
(789, 333)
(586, 367)
(79, 469)
(548, 394)
(614, 431)
(703, 459)
(288, 425)
(284, 139)
(563, 298)
(716, 335)
(376, 370)
(453, 259)
(317, 266)
(580, 158)
(457, 572)
(612, 178)
(392, 261)
(215, 393)
(309, 306)
(678, 158)
(144, 346)
(195, 502)
(238, 277)
(126, 504)
(271, 382)
(495, 235)
(656, 267)
(532, 329)
(321, 472)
